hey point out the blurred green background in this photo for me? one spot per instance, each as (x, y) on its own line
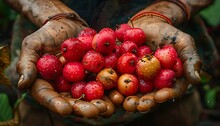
(7, 17)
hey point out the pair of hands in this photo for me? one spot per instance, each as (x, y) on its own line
(48, 39)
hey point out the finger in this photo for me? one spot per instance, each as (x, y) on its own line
(85, 109)
(146, 103)
(166, 94)
(116, 97)
(130, 103)
(26, 68)
(191, 61)
(100, 104)
(110, 108)
(92, 111)
(44, 94)
(32, 49)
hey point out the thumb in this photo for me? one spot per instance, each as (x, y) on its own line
(26, 68)
(191, 61)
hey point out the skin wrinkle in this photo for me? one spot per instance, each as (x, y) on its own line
(185, 59)
(177, 47)
(33, 58)
(46, 33)
(174, 37)
(52, 42)
(60, 37)
(63, 32)
(66, 25)
(50, 100)
(30, 40)
(39, 89)
(73, 28)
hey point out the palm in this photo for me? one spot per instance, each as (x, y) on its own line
(159, 34)
(47, 39)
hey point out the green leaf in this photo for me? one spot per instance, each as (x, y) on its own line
(20, 99)
(6, 110)
(211, 14)
(210, 97)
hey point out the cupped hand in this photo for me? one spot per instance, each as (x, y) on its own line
(64, 105)
(160, 33)
(47, 39)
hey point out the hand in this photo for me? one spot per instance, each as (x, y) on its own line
(64, 105)
(160, 33)
(47, 39)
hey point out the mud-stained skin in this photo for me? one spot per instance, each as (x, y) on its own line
(50, 35)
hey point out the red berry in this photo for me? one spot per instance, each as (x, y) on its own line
(117, 50)
(146, 86)
(109, 30)
(108, 78)
(127, 63)
(120, 31)
(77, 89)
(129, 46)
(110, 60)
(136, 35)
(167, 56)
(87, 32)
(49, 67)
(93, 90)
(178, 68)
(74, 71)
(128, 84)
(104, 42)
(87, 41)
(165, 78)
(143, 50)
(93, 61)
(61, 84)
(147, 67)
(73, 49)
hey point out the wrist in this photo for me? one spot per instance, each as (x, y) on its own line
(39, 11)
(71, 16)
(151, 14)
(170, 10)
(179, 11)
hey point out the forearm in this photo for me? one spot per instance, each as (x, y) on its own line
(178, 13)
(38, 11)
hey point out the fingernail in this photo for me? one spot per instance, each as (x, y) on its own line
(162, 96)
(197, 75)
(21, 79)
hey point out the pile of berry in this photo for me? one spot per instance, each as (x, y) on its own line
(95, 64)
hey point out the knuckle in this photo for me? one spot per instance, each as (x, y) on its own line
(28, 40)
(186, 38)
(31, 42)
